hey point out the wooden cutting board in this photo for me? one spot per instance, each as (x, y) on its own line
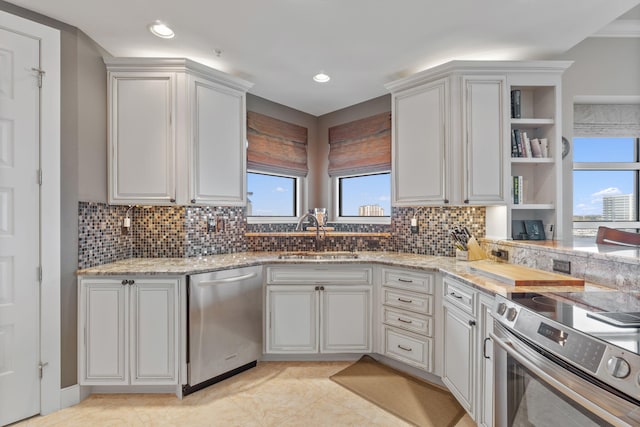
(520, 275)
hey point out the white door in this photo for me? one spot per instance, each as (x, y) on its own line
(103, 334)
(346, 319)
(19, 228)
(292, 322)
(153, 331)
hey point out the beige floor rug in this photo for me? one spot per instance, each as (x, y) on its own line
(415, 401)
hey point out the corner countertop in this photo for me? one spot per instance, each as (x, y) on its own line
(447, 265)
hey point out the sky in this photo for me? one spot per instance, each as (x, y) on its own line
(272, 195)
(589, 187)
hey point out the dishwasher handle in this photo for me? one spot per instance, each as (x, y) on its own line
(207, 283)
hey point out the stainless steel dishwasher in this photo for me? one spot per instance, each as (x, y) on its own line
(225, 325)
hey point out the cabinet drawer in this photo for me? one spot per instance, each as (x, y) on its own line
(417, 282)
(410, 321)
(460, 295)
(420, 303)
(407, 348)
(319, 275)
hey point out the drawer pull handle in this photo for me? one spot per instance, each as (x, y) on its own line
(401, 347)
(400, 319)
(400, 279)
(453, 294)
(408, 301)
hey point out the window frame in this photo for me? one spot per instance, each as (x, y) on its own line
(612, 166)
(300, 184)
(334, 209)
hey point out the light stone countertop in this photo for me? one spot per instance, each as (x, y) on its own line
(447, 265)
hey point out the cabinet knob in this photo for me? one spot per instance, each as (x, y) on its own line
(193, 201)
(466, 201)
(125, 282)
(172, 200)
(317, 288)
(472, 323)
(446, 200)
(131, 282)
(322, 288)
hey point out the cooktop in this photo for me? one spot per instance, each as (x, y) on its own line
(613, 317)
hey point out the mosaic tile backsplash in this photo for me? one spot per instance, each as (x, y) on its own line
(155, 232)
(182, 231)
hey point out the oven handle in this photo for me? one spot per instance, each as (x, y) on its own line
(574, 393)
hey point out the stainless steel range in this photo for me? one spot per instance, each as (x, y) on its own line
(566, 360)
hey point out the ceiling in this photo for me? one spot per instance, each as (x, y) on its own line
(362, 44)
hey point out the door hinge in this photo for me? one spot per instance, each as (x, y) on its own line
(39, 176)
(41, 367)
(41, 73)
(39, 274)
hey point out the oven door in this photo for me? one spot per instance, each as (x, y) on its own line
(532, 390)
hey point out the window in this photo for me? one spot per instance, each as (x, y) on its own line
(364, 195)
(359, 164)
(276, 169)
(272, 195)
(606, 168)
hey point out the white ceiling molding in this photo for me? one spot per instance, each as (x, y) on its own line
(621, 28)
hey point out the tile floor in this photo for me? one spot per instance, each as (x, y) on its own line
(272, 394)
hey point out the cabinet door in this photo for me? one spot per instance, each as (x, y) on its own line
(218, 151)
(102, 332)
(141, 138)
(345, 319)
(485, 363)
(419, 145)
(484, 130)
(459, 356)
(154, 331)
(292, 322)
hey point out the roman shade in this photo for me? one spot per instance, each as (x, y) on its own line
(276, 146)
(361, 147)
(593, 120)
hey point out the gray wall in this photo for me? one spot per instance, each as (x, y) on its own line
(83, 160)
(603, 67)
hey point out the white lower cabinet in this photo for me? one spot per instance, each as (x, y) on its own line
(467, 361)
(407, 307)
(325, 317)
(485, 362)
(128, 331)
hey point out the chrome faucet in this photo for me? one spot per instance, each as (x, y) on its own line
(313, 219)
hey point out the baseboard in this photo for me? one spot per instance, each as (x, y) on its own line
(69, 396)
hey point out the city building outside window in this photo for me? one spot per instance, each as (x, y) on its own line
(606, 169)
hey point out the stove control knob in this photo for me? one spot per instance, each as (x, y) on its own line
(502, 307)
(618, 367)
(511, 314)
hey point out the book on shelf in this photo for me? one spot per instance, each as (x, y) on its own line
(536, 148)
(518, 190)
(516, 113)
(544, 147)
(525, 147)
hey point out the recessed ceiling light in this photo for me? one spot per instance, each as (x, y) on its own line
(161, 30)
(321, 77)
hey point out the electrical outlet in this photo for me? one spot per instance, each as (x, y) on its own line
(501, 254)
(562, 266)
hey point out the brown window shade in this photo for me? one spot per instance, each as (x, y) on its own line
(276, 146)
(362, 146)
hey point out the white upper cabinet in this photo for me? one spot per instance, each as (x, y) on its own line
(483, 138)
(142, 141)
(177, 133)
(448, 136)
(420, 117)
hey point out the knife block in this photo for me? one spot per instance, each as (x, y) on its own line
(473, 252)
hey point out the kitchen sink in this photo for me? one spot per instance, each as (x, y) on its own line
(318, 255)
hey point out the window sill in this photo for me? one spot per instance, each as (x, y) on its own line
(313, 234)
